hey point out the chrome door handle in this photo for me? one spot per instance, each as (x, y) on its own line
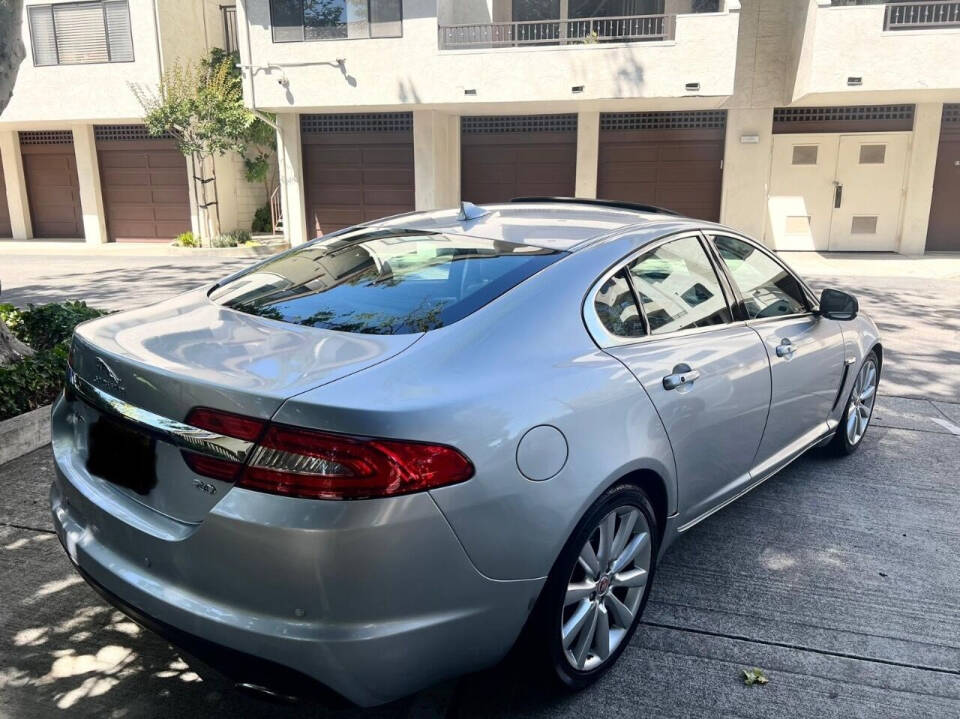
(682, 375)
(785, 349)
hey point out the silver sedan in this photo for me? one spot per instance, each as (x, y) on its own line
(381, 458)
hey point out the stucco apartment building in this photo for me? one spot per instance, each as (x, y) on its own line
(77, 162)
(809, 123)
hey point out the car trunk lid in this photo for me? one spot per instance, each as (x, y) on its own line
(137, 376)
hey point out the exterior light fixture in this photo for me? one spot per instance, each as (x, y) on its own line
(692, 87)
(854, 81)
(749, 139)
(470, 91)
(576, 88)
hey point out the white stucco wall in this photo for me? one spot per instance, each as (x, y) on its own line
(412, 71)
(850, 41)
(58, 94)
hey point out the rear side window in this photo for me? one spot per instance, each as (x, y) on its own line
(678, 287)
(383, 282)
(616, 307)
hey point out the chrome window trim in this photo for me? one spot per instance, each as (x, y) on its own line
(177, 433)
(606, 339)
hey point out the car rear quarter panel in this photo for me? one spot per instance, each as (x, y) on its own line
(480, 384)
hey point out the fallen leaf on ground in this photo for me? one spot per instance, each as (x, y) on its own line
(754, 676)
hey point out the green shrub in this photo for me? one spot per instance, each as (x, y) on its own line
(187, 239)
(35, 381)
(231, 239)
(32, 382)
(44, 326)
(262, 222)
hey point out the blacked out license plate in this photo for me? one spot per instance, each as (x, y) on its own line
(122, 455)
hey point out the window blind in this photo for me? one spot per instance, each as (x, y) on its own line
(79, 33)
(41, 32)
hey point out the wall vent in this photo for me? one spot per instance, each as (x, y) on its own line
(126, 132)
(863, 225)
(852, 118)
(698, 120)
(368, 122)
(46, 137)
(490, 124)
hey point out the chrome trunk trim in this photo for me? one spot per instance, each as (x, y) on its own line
(176, 433)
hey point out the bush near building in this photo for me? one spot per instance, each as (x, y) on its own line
(36, 380)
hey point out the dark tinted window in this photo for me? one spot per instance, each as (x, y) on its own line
(383, 282)
(678, 287)
(768, 289)
(295, 20)
(616, 307)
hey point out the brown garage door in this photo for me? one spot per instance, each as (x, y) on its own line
(502, 157)
(944, 229)
(145, 187)
(670, 159)
(356, 168)
(50, 169)
(4, 210)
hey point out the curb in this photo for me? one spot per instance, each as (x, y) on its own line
(24, 433)
(132, 249)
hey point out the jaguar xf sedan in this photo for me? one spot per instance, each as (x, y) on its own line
(383, 457)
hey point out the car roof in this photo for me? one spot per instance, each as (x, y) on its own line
(557, 225)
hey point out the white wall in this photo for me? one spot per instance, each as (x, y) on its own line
(411, 71)
(58, 94)
(850, 41)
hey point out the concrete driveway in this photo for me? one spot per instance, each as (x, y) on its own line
(839, 578)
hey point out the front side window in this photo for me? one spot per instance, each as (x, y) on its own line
(383, 282)
(678, 287)
(768, 289)
(80, 33)
(298, 20)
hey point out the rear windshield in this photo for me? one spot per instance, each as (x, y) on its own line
(383, 282)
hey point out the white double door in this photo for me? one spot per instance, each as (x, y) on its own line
(837, 192)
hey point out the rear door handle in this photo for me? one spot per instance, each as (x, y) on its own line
(682, 375)
(785, 348)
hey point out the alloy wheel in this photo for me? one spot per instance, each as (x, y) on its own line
(605, 588)
(862, 399)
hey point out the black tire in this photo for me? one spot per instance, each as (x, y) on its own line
(543, 642)
(840, 445)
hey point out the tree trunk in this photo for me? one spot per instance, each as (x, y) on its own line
(11, 349)
(11, 55)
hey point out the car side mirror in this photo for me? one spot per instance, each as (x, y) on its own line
(837, 305)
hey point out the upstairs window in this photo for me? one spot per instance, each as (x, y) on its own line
(299, 20)
(81, 33)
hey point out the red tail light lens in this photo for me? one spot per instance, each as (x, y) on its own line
(228, 423)
(304, 463)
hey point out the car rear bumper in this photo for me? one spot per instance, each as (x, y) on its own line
(373, 599)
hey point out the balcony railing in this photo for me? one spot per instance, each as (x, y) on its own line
(574, 31)
(921, 15)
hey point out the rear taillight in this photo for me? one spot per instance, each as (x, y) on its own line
(297, 462)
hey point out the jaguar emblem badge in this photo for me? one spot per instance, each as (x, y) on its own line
(107, 377)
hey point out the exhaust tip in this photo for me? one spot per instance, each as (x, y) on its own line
(263, 692)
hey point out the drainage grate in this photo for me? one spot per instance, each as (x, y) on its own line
(370, 122)
(126, 132)
(46, 137)
(694, 120)
(492, 124)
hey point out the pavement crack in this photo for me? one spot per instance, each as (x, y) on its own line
(26, 527)
(801, 648)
